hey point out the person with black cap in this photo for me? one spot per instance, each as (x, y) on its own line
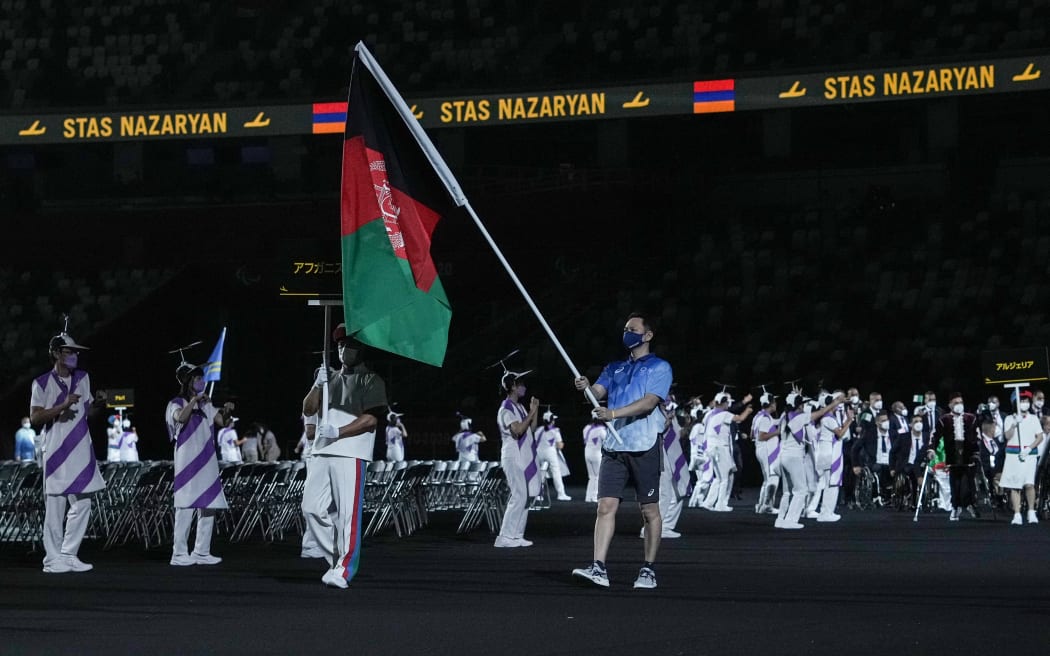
(518, 458)
(190, 417)
(60, 402)
(343, 445)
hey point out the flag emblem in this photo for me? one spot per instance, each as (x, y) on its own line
(713, 96)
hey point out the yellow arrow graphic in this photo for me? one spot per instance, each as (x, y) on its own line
(258, 121)
(1030, 73)
(793, 92)
(33, 130)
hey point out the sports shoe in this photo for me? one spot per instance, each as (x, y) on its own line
(77, 565)
(522, 542)
(1032, 517)
(205, 559)
(972, 512)
(646, 578)
(59, 565)
(333, 579)
(183, 560)
(954, 517)
(502, 542)
(812, 514)
(564, 497)
(1016, 521)
(719, 508)
(829, 518)
(670, 533)
(592, 573)
(791, 525)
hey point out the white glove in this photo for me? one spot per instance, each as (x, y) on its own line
(322, 377)
(326, 432)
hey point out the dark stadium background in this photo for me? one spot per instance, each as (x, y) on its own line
(883, 245)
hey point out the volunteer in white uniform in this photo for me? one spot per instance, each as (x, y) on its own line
(129, 447)
(190, 417)
(829, 467)
(467, 441)
(114, 433)
(518, 459)
(335, 479)
(674, 477)
(548, 446)
(792, 454)
(593, 435)
(229, 443)
(395, 437)
(717, 433)
(1023, 434)
(60, 402)
(765, 432)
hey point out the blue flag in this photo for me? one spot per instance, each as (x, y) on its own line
(213, 369)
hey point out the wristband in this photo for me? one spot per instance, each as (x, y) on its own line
(613, 414)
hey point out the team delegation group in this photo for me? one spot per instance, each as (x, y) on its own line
(634, 441)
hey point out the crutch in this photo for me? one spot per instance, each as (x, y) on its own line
(922, 489)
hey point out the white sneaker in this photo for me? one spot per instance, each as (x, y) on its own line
(593, 574)
(646, 579)
(183, 560)
(205, 559)
(829, 518)
(1032, 518)
(954, 517)
(332, 579)
(790, 525)
(522, 542)
(77, 565)
(669, 533)
(506, 543)
(812, 514)
(722, 509)
(59, 565)
(1016, 521)
(564, 497)
(777, 523)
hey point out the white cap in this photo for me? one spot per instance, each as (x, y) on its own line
(464, 424)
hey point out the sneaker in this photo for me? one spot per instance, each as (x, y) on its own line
(57, 566)
(832, 517)
(646, 579)
(205, 559)
(722, 509)
(791, 525)
(971, 512)
(592, 573)
(669, 533)
(954, 517)
(506, 543)
(564, 497)
(1032, 518)
(77, 565)
(311, 553)
(812, 514)
(333, 579)
(182, 560)
(1016, 521)
(522, 542)
(759, 509)
(778, 523)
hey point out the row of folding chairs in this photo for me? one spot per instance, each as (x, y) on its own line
(21, 502)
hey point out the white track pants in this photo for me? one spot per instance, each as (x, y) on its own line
(332, 503)
(550, 456)
(670, 504)
(593, 456)
(770, 474)
(724, 466)
(517, 512)
(75, 510)
(793, 476)
(205, 527)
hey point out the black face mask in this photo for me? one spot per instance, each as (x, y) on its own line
(349, 356)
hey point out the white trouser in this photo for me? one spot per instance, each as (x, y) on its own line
(670, 504)
(205, 526)
(332, 503)
(517, 512)
(944, 489)
(770, 474)
(550, 456)
(58, 543)
(822, 488)
(309, 543)
(593, 456)
(793, 475)
(704, 478)
(395, 453)
(724, 466)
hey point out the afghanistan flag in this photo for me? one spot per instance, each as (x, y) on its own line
(392, 198)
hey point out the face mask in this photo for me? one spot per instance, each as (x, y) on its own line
(884, 425)
(992, 405)
(854, 399)
(25, 424)
(902, 412)
(916, 428)
(877, 405)
(1025, 405)
(931, 404)
(349, 356)
(631, 340)
(1039, 404)
(198, 386)
(958, 408)
(70, 361)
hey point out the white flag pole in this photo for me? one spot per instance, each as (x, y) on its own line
(452, 185)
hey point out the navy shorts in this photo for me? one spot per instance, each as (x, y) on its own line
(638, 468)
